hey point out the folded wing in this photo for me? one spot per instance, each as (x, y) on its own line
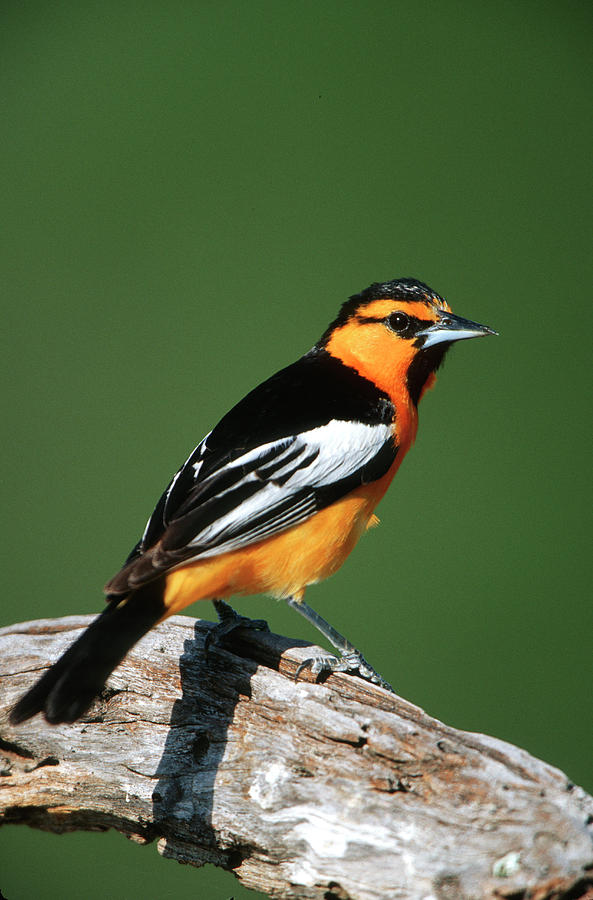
(256, 495)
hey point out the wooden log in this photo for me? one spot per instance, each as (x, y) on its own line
(337, 790)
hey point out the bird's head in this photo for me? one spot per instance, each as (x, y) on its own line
(397, 333)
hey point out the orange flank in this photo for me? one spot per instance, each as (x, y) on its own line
(284, 565)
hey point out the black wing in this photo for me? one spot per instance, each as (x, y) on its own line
(298, 442)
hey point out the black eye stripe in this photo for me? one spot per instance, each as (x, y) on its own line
(414, 325)
(369, 320)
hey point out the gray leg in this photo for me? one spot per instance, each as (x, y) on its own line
(229, 621)
(350, 659)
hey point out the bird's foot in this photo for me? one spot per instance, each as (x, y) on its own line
(228, 622)
(350, 661)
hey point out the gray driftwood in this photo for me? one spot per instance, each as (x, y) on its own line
(331, 791)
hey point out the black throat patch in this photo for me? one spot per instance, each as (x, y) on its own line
(422, 366)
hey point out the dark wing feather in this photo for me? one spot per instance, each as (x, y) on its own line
(253, 477)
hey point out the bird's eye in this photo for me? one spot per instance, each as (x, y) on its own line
(398, 322)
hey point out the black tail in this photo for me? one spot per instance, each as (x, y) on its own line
(67, 690)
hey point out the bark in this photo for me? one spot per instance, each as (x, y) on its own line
(336, 790)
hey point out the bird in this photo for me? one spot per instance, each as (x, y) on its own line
(277, 495)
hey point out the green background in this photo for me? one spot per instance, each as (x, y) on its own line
(190, 191)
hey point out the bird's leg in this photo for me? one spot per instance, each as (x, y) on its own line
(229, 621)
(350, 659)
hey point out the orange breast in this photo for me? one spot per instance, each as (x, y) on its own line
(284, 565)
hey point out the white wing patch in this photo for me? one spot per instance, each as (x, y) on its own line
(314, 460)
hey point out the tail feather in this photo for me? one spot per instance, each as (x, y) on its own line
(67, 690)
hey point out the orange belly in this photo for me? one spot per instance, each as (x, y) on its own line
(283, 565)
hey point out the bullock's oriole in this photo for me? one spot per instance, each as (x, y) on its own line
(278, 493)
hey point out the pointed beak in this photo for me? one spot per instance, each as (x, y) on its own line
(452, 328)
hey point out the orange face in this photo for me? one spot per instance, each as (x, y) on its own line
(369, 343)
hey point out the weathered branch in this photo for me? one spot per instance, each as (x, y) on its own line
(331, 791)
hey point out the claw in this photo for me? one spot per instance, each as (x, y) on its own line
(230, 621)
(351, 661)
